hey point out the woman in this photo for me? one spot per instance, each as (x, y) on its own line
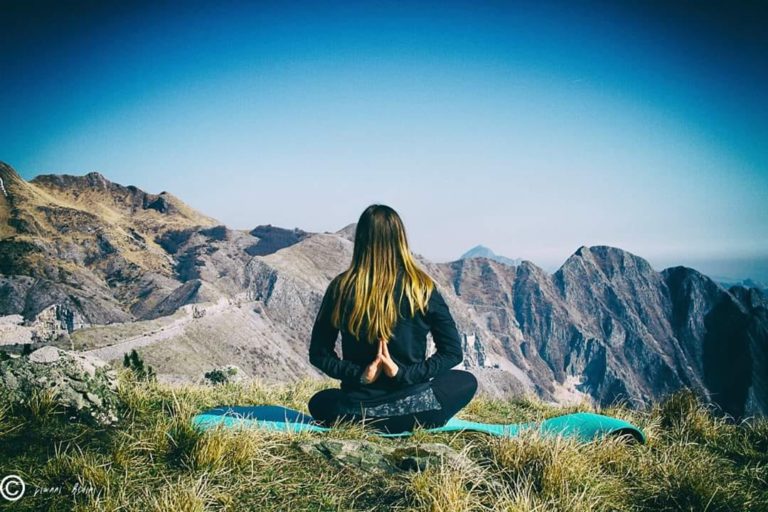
(384, 306)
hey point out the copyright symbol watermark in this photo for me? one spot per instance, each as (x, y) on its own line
(12, 488)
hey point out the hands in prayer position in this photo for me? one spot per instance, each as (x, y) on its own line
(383, 362)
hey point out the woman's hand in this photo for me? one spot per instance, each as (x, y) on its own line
(383, 362)
(390, 367)
(372, 371)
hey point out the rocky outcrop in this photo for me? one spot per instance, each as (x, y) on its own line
(755, 327)
(384, 459)
(272, 238)
(127, 199)
(726, 333)
(216, 255)
(82, 385)
(348, 232)
(191, 292)
(54, 322)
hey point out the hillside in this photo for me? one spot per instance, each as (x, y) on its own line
(87, 245)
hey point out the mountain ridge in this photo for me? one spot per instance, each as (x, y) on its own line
(604, 327)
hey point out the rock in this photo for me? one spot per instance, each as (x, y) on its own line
(85, 245)
(348, 232)
(82, 384)
(272, 238)
(191, 292)
(377, 458)
(421, 456)
(358, 454)
(45, 355)
(54, 322)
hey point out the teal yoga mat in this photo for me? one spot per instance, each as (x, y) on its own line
(584, 426)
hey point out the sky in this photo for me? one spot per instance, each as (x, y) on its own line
(530, 127)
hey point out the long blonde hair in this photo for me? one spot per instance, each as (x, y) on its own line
(381, 253)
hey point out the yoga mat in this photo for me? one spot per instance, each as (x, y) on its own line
(585, 426)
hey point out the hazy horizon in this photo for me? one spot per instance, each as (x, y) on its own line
(530, 128)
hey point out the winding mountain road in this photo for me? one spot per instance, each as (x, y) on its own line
(176, 328)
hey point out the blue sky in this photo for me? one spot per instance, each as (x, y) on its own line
(529, 127)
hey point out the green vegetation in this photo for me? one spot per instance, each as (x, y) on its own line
(134, 363)
(221, 375)
(154, 460)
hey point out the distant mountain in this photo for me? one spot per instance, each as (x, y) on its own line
(746, 283)
(348, 231)
(108, 268)
(481, 251)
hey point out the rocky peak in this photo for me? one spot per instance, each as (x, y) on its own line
(691, 281)
(578, 260)
(12, 186)
(613, 260)
(8, 174)
(348, 231)
(90, 244)
(95, 179)
(750, 297)
(529, 268)
(606, 260)
(93, 190)
(273, 238)
(481, 251)
(478, 250)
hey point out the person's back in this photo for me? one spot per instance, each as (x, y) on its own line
(386, 379)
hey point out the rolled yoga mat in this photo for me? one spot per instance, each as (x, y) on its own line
(584, 426)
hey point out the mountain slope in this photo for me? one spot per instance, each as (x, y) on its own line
(623, 330)
(85, 243)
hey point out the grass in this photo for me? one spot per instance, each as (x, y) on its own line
(154, 460)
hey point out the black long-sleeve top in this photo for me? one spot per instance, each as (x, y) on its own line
(407, 347)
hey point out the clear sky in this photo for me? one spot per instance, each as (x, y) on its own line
(532, 128)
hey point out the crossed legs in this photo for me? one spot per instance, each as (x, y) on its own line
(454, 389)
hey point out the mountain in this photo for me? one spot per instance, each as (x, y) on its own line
(106, 268)
(105, 253)
(481, 251)
(86, 245)
(624, 330)
(745, 283)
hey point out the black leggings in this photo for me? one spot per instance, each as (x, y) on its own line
(453, 389)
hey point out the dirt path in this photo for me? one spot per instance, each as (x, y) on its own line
(176, 328)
